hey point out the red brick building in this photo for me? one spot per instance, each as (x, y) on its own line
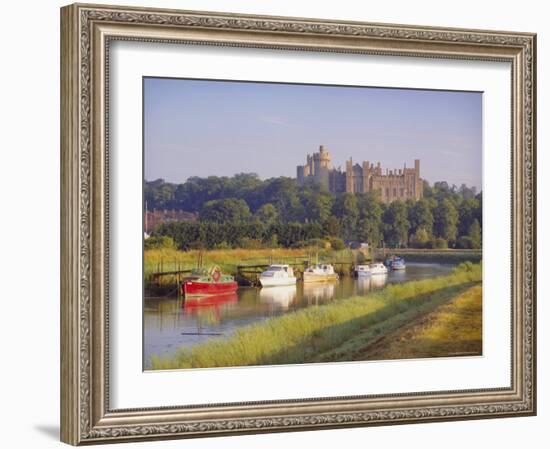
(153, 218)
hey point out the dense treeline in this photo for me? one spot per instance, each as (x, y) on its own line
(244, 211)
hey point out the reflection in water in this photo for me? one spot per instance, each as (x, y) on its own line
(378, 280)
(367, 283)
(209, 309)
(278, 298)
(316, 293)
(195, 304)
(169, 324)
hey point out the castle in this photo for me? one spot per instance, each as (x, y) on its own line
(400, 184)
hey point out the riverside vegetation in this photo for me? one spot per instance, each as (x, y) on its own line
(453, 329)
(244, 211)
(340, 331)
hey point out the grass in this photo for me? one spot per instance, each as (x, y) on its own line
(304, 335)
(452, 329)
(454, 256)
(168, 259)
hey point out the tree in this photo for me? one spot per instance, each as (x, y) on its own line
(345, 208)
(468, 211)
(317, 205)
(369, 227)
(283, 194)
(475, 234)
(420, 238)
(421, 217)
(396, 224)
(226, 210)
(267, 214)
(331, 226)
(445, 220)
(467, 192)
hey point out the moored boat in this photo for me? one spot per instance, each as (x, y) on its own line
(320, 273)
(398, 264)
(362, 270)
(378, 268)
(213, 282)
(395, 263)
(277, 274)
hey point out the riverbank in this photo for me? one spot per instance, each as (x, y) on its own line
(451, 330)
(452, 256)
(170, 260)
(306, 335)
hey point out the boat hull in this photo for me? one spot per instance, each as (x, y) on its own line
(194, 288)
(318, 277)
(277, 281)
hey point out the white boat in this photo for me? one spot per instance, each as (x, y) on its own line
(378, 268)
(276, 275)
(362, 270)
(320, 273)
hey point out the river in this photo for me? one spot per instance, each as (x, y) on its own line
(170, 323)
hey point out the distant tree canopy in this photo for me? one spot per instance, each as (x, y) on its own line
(244, 210)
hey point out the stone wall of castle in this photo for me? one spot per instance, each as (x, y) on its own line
(399, 184)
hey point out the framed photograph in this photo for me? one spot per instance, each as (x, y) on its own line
(282, 224)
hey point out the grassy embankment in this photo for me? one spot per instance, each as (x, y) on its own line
(168, 260)
(453, 256)
(320, 333)
(452, 329)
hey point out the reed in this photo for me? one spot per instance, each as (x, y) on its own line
(169, 259)
(302, 336)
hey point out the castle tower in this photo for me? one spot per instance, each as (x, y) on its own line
(366, 177)
(324, 157)
(349, 176)
(419, 193)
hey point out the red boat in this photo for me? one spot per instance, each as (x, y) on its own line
(204, 283)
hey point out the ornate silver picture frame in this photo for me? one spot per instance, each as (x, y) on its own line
(87, 32)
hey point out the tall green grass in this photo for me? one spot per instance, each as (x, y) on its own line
(451, 256)
(170, 259)
(167, 259)
(300, 336)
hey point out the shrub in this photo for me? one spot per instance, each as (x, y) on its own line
(420, 239)
(467, 267)
(272, 241)
(159, 242)
(438, 243)
(337, 243)
(464, 242)
(248, 243)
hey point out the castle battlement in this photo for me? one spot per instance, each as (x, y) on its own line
(396, 184)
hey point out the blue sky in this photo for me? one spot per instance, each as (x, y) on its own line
(203, 128)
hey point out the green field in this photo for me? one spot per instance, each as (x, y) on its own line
(324, 333)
